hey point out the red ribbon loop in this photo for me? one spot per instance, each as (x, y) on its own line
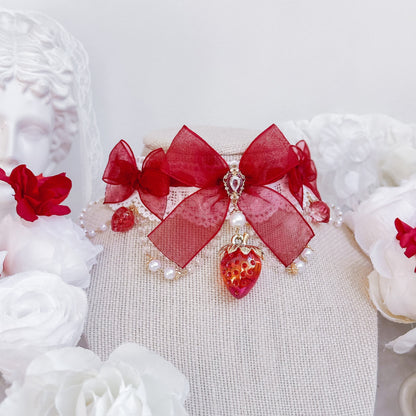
(123, 178)
(199, 217)
(303, 173)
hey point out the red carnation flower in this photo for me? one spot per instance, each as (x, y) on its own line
(38, 195)
(407, 237)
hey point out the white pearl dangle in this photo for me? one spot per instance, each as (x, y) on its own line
(155, 265)
(298, 265)
(169, 273)
(237, 219)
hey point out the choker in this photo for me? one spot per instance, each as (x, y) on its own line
(270, 195)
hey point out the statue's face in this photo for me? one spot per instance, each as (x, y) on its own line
(26, 128)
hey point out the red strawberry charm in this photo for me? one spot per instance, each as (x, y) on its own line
(240, 265)
(123, 220)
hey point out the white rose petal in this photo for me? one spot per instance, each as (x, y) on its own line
(404, 343)
(376, 297)
(38, 312)
(74, 382)
(2, 257)
(7, 201)
(374, 218)
(399, 164)
(50, 244)
(389, 261)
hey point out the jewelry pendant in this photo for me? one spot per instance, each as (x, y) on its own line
(123, 220)
(240, 265)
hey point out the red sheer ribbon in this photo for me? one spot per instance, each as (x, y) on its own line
(304, 173)
(199, 217)
(123, 178)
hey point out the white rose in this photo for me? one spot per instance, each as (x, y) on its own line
(38, 312)
(392, 283)
(50, 244)
(74, 382)
(344, 156)
(355, 155)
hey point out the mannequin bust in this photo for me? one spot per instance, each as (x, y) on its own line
(45, 98)
(302, 344)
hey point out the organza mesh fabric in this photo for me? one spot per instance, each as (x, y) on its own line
(295, 345)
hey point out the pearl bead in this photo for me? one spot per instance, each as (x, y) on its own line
(307, 252)
(237, 219)
(91, 233)
(338, 222)
(104, 227)
(300, 265)
(81, 216)
(154, 265)
(169, 273)
(81, 223)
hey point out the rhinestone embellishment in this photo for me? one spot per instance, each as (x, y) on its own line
(234, 183)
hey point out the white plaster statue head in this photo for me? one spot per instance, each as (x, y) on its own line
(45, 97)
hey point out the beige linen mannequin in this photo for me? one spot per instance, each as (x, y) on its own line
(295, 345)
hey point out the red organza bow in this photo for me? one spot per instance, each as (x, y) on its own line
(199, 217)
(407, 237)
(38, 195)
(304, 173)
(123, 177)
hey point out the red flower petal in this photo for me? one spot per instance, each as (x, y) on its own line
(49, 208)
(55, 187)
(406, 236)
(23, 181)
(3, 176)
(26, 211)
(410, 250)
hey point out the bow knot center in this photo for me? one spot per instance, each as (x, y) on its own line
(234, 182)
(136, 179)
